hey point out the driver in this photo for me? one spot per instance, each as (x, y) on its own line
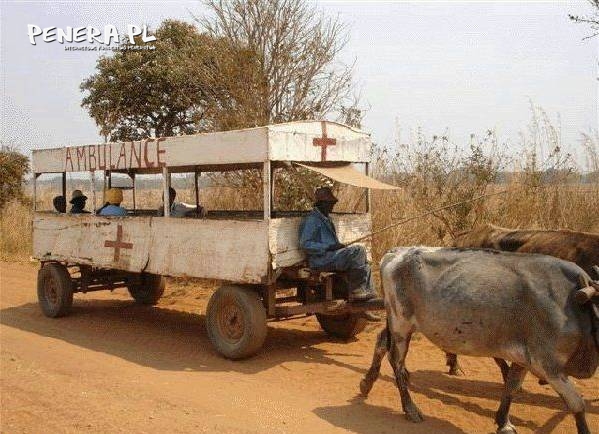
(318, 238)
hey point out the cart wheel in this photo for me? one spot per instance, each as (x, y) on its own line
(54, 290)
(149, 290)
(342, 326)
(236, 321)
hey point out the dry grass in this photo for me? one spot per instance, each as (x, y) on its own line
(550, 207)
(15, 231)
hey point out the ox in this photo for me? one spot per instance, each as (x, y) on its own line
(582, 248)
(518, 307)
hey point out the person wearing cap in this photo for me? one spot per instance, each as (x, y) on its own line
(78, 201)
(112, 207)
(318, 238)
(180, 209)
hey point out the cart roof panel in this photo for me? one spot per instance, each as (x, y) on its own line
(307, 141)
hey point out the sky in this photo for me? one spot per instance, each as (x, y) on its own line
(462, 67)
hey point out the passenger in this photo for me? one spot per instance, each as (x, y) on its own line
(114, 197)
(78, 201)
(318, 238)
(180, 209)
(60, 204)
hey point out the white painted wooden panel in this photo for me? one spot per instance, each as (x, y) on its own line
(300, 147)
(239, 146)
(82, 239)
(219, 249)
(47, 160)
(293, 141)
(299, 141)
(284, 236)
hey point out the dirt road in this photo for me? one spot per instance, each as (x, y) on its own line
(115, 367)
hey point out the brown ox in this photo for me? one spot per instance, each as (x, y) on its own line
(582, 248)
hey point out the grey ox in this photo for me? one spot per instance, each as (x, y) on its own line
(514, 306)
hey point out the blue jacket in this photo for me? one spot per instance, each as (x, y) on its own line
(317, 233)
(113, 210)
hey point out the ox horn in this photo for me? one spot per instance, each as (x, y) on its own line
(589, 288)
(585, 294)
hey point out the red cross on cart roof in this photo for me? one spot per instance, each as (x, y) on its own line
(323, 142)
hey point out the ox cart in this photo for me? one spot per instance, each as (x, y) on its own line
(256, 253)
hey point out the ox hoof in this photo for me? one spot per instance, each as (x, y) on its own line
(365, 387)
(508, 428)
(455, 371)
(413, 413)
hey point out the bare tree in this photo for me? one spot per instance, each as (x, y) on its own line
(297, 49)
(592, 20)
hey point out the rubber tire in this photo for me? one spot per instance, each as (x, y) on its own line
(59, 276)
(253, 326)
(342, 326)
(150, 290)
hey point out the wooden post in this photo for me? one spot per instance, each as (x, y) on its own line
(35, 175)
(167, 184)
(132, 175)
(103, 188)
(64, 185)
(272, 190)
(271, 299)
(93, 181)
(368, 193)
(197, 191)
(266, 189)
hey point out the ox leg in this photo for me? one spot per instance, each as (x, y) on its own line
(451, 360)
(505, 368)
(397, 357)
(513, 383)
(573, 400)
(380, 349)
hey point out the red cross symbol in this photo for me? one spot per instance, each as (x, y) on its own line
(323, 142)
(118, 244)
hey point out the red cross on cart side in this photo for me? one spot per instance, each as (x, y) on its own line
(118, 244)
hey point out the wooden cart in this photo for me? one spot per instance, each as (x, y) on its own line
(257, 253)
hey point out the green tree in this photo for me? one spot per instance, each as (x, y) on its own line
(13, 168)
(190, 82)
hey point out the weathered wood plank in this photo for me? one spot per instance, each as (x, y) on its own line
(218, 249)
(228, 250)
(284, 236)
(82, 238)
(293, 141)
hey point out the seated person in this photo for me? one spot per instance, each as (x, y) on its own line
(318, 238)
(112, 207)
(180, 209)
(60, 204)
(78, 201)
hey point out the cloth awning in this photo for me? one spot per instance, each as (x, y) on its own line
(348, 174)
